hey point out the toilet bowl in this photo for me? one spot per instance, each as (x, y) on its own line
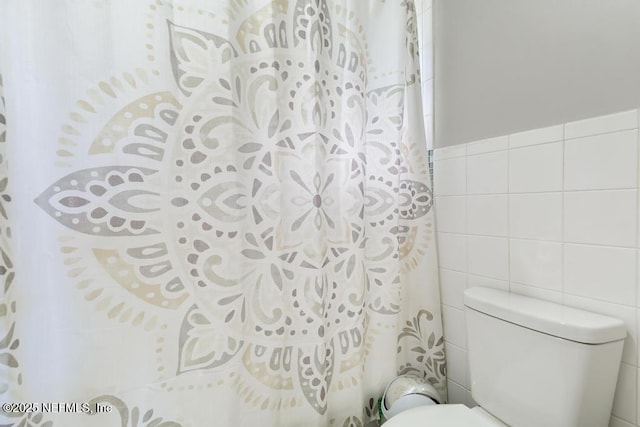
(532, 363)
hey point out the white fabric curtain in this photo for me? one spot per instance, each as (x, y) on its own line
(213, 212)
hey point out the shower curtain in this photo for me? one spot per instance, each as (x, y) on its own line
(214, 213)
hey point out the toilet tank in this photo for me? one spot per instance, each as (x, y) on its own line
(534, 363)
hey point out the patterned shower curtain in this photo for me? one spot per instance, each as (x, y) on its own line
(214, 213)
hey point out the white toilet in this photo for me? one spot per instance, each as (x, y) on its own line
(532, 363)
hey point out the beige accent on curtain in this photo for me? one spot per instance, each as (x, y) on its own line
(213, 212)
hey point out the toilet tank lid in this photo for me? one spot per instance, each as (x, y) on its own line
(545, 316)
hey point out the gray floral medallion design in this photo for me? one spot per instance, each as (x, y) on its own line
(10, 370)
(259, 213)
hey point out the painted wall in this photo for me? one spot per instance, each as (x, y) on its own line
(551, 213)
(504, 66)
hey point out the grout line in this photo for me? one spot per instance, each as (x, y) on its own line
(453, 308)
(473, 275)
(599, 245)
(600, 190)
(532, 144)
(449, 343)
(458, 384)
(590, 298)
(531, 239)
(526, 285)
(451, 269)
(596, 134)
(452, 233)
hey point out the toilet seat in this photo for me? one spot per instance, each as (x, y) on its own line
(442, 416)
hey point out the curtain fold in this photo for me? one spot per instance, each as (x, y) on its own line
(213, 213)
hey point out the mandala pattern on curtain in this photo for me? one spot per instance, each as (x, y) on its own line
(267, 217)
(9, 366)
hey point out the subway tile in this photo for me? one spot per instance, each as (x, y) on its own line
(625, 399)
(452, 251)
(486, 282)
(535, 292)
(601, 272)
(536, 169)
(451, 214)
(536, 263)
(602, 124)
(452, 286)
(622, 312)
(487, 173)
(450, 152)
(536, 136)
(536, 216)
(488, 257)
(455, 328)
(602, 161)
(601, 217)
(488, 215)
(457, 364)
(488, 145)
(450, 177)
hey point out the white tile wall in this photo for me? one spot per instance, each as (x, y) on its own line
(453, 285)
(601, 217)
(488, 145)
(601, 161)
(450, 178)
(536, 168)
(454, 327)
(536, 263)
(487, 282)
(535, 292)
(488, 257)
(617, 422)
(456, 358)
(536, 136)
(625, 406)
(603, 124)
(600, 272)
(536, 216)
(488, 215)
(551, 213)
(452, 214)
(452, 251)
(486, 173)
